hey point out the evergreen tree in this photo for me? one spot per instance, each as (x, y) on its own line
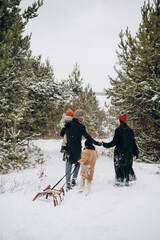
(14, 60)
(95, 119)
(136, 88)
(44, 97)
(78, 97)
(73, 87)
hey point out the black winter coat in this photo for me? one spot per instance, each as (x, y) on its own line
(124, 142)
(74, 131)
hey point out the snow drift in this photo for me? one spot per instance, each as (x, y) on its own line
(107, 213)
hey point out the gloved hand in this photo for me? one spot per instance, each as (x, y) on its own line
(104, 144)
(98, 143)
(137, 155)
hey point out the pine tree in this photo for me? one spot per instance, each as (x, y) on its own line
(14, 54)
(136, 88)
(43, 95)
(95, 119)
(71, 89)
(77, 96)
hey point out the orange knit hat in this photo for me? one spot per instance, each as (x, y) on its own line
(69, 113)
(123, 117)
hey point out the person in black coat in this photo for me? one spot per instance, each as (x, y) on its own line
(125, 149)
(74, 131)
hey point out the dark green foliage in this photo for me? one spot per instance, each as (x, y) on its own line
(43, 96)
(136, 89)
(31, 101)
(14, 85)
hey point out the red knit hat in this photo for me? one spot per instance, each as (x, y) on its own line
(69, 113)
(123, 117)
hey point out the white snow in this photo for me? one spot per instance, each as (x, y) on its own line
(107, 213)
(155, 97)
(102, 99)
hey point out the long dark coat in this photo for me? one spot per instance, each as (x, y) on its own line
(74, 131)
(124, 142)
(125, 149)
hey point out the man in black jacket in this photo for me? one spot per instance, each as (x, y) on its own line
(125, 149)
(74, 131)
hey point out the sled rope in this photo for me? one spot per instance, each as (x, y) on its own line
(63, 178)
(70, 174)
(55, 193)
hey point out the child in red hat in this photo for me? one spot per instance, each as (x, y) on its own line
(67, 117)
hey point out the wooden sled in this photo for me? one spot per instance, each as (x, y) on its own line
(48, 191)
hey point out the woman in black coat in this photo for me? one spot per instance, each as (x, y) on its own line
(74, 131)
(125, 149)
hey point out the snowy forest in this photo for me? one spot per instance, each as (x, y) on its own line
(32, 101)
(136, 89)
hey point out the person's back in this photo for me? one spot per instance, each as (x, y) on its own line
(128, 136)
(126, 141)
(74, 131)
(87, 161)
(125, 149)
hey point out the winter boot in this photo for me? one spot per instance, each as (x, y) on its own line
(127, 183)
(73, 182)
(132, 177)
(118, 182)
(82, 184)
(68, 187)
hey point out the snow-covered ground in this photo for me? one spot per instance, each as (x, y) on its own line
(108, 213)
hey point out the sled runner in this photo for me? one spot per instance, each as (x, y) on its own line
(48, 191)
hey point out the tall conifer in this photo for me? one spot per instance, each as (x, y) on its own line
(14, 60)
(136, 88)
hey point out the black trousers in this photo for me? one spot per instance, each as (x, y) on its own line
(123, 167)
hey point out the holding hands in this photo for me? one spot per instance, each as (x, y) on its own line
(104, 144)
(98, 143)
(101, 144)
